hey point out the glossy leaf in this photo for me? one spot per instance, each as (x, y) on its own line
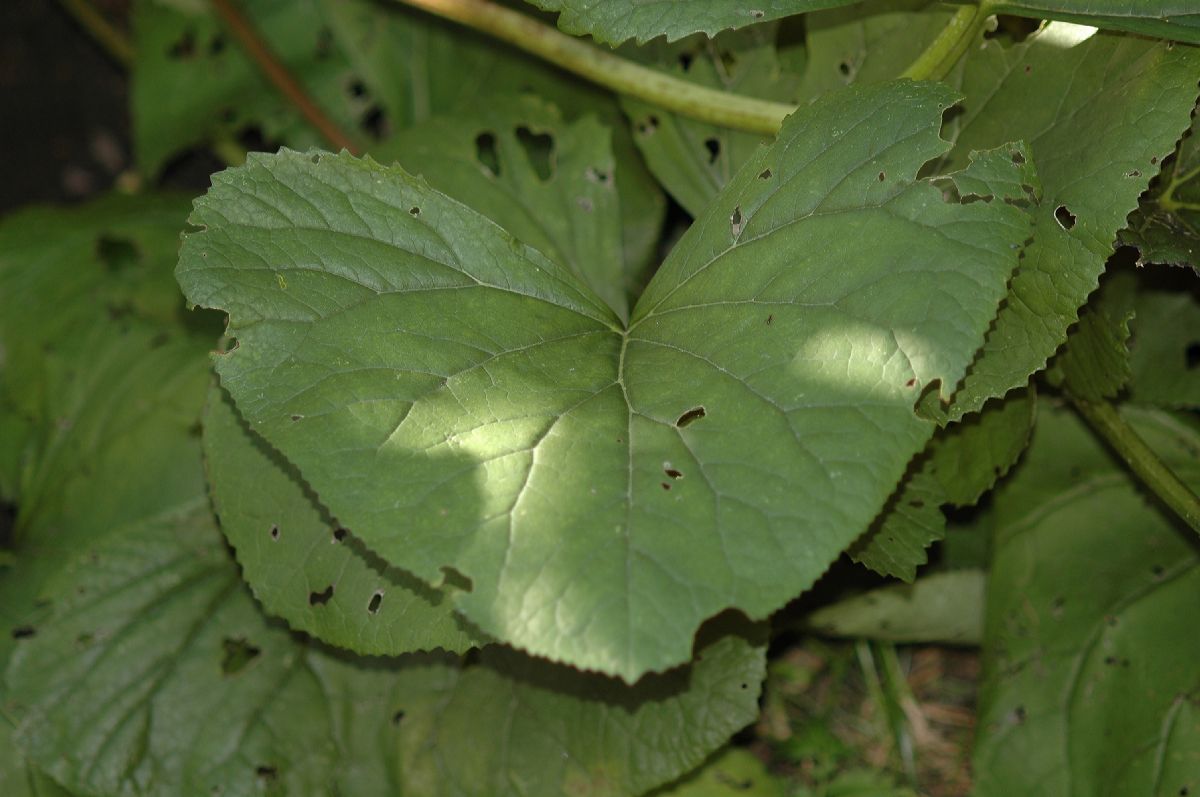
(1091, 604)
(301, 565)
(458, 400)
(1096, 140)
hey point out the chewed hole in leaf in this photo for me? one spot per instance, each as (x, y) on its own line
(672, 472)
(648, 126)
(184, 47)
(685, 60)
(266, 772)
(714, 149)
(882, 176)
(274, 532)
(23, 632)
(690, 417)
(1065, 218)
(1191, 355)
(117, 253)
(374, 122)
(320, 598)
(735, 222)
(765, 174)
(485, 153)
(414, 211)
(595, 175)
(373, 605)
(539, 149)
(216, 45)
(666, 486)
(397, 716)
(236, 654)
(339, 534)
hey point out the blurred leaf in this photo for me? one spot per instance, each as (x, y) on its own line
(735, 772)
(1165, 352)
(1094, 364)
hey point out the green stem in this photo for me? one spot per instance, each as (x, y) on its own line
(943, 52)
(608, 70)
(1153, 472)
(112, 40)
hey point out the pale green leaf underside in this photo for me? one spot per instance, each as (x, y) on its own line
(305, 568)
(942, 607)
(1166, 19)
(1090, 678)
(1096, 139)
(457, 400)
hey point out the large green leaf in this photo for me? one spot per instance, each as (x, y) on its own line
(1164, 356)
(459, 401)
(1167, 19)
(1090, 683)
(1096, 139)
(617, 21)
(301, 565)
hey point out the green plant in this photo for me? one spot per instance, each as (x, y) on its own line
(504, 481)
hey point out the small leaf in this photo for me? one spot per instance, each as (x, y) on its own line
(465, 403)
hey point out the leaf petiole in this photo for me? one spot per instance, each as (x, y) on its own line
(944, 52)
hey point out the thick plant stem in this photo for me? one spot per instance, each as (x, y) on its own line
(114, 42)
(603, 68)
(943, 52)
(280, 77)
(1153, 472)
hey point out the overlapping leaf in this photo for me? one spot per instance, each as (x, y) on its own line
(1166, 226)
(1096, 139)
(1164, 357)
(1090, 683)
(459, 401)
(617, 21)
(305, 568)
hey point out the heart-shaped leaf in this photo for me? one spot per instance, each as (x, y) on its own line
(458, 400)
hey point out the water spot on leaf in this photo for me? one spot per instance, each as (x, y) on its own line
(485, 153)
(1192, 355)
(714, 149)
(373, 605)
(23, 632)
(735, 221)
(320, 598)
(1065, 218)
(274, 532)
(690, 417)
(539, 149)
(236, 653)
